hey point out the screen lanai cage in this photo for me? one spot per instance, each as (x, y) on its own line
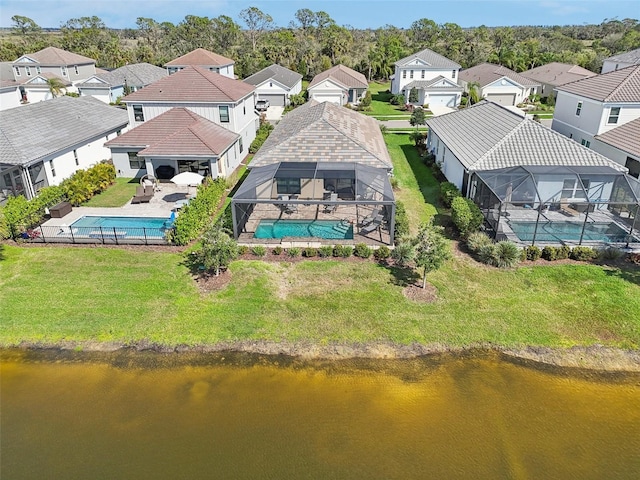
(315, 202)
(559, 205)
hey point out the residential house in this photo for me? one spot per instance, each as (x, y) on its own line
(109, 86)
(324, 168)
(498, 84)
(176, 141)
(597, 104)
(622, 145)
(67, 66)
(433, 76)
(219, 99)
(275, 84)
(46, 142)
(554, 75)
(10, 94)
(339, 85)
(621, 60)
(37, 88)
(204, 59)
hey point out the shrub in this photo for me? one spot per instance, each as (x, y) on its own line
(294, 252)
(259, 251)
(533, 253)
(217, 249)
(503, 254)
(84, 184)
(466, 215)
(634, 258)
(382, 253)
(394, 183)
(477, 240)
(563, 252)
(343, 251)
(309, 252)
(20, 213)
(609, 253)
(401, 227)
(325, 251)
(383, 129)
(404, 253)
(277, 250)
(362, 250)
(583, 254)
(448, 191)
(397, 99)
(366, 100)
(261, 136)
(549, 253)
(243, 250)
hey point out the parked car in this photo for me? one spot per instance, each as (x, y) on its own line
(262, 105)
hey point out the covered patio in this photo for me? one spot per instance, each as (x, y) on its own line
(541, 205)
(314, 203)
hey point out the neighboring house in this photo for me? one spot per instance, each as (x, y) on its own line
(621, 60)
(68, 66)
(221, 100)
(10, 94)
(498, 84)
(204, 59)
(109, 86)
(622, 145)
(276, 84)
(325, 167)
(339, 85)
(178, 139)
(597, 104)
(435, 77)
(554, 75)
(36, 89)
(46, 142)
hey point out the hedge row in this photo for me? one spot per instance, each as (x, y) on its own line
(338, 251)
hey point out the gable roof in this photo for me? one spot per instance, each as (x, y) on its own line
(345, 76)
(53, 56)
(487, 73)
(556, 73)
(200, 57)
(282, 75)
(435, 84)
(193, 84)
(618, 86)
(431, 58)
(177, 132)
(632, 57)
(38, 130)
(136, 75)
(625, 137)
(488, 136)
(317, 132)
(40, 80)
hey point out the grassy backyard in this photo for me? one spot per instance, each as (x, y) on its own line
(116, 195)
(380, 105)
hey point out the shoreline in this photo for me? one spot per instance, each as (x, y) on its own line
(594, 358)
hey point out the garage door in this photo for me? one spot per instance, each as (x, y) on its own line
(328, 98)
(445, 100)
(274, 100)
(508, 99)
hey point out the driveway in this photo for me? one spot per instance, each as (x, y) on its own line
(274, 114)
(440, 110)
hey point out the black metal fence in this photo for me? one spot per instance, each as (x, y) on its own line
(102, 235)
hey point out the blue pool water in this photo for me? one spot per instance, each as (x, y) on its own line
(123, 226)
(328, 229)
(569, 232)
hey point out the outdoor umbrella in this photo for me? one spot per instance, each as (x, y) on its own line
(188, 179)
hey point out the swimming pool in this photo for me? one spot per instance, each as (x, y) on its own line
(92, 225)
(553, 232)
(327, 229)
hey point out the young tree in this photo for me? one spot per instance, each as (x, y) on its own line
(474, 96)
(413, 95)
(418, 118)
(431, 249)
(56, 86)
(218, 249)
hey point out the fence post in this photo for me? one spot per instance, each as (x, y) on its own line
(102, 235)
(115, 235)
(144, 233)
(73, 239)
(42, 234)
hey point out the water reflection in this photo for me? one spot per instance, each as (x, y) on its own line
(126, 415)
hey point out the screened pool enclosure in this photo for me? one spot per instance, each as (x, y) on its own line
(314, 202)
(539, 205)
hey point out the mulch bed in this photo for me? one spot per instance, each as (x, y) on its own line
(212, 283)
(416, 293)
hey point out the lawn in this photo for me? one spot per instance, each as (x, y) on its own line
(380, 105)
(116, 195)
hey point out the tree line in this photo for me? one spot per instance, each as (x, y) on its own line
(313, 42)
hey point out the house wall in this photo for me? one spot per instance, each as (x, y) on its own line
(612, 153)
(450, 165)
(550, 187)
(68, 73)
(611, 66)
(628, 112)
(328, 92)
(226, 70)
(498, 87)
(102, 94)
(9, 98)
(418, 66)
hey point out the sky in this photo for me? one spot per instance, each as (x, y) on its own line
(355, 13)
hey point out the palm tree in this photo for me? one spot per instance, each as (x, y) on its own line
(56, 86)
(474, 95)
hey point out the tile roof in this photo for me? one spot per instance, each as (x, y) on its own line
(488, 136)
(487, 73)
(52, 56)
(136, 75)
(632, 57)
(34, 82)
(200, 57)
(432, 58)
(625, 137)
(557, 73)
(345, 76)
(34, 131)
(431, 84)
(618, 86)
(316, 132)
(193, 84)
(180, 132)
(282, 75)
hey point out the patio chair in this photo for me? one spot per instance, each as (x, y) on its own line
(370, 218)
(566, 208)
(141, 195)
(331, 207)
(371, 227)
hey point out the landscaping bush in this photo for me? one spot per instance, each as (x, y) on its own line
(294, 252)
(404, 253)
(382, 253)
(533, 253)
(259, 251)
(217, 249)
(549, 253)
(477, 240)
(448, 191)
(610, 253)
(397, 99)
(84, 184)
(366, 100)
(19, 213)
(325, 251)
(583, 254)
(243, 250)
(503, 254)
(309, 252)
(401, 227)
(4, 227)
(362, 250)
(563, 252)
(394, 183)
(343, 251)
(277, 250)
(261, 136)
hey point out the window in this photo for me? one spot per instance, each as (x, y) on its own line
(241, 145)
(422, 74)
(288, 186)
(38, 70)
(224, 114)
(75, 67)
(75, 157)
(613, 115)
(453, 74)
(404, 74)
(138, 113)
(28, 70)
(586, 143)
(17, 71)
(63, 70)
(634, 167)
(578, 109)
(135, 162)
(53, 168)
(411, 74)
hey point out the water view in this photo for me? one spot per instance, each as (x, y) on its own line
(125, 415)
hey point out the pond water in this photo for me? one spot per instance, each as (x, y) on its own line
(126, 415)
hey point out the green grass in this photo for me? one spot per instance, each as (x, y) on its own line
(380, 105)
(116, 195)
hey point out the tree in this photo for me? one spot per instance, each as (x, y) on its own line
(418, 118)
(56, 86)
(24, 26)
(404, 252)
(413, 95)
(257, 23)
(474, 96)
(431, 249)
(218, 249)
